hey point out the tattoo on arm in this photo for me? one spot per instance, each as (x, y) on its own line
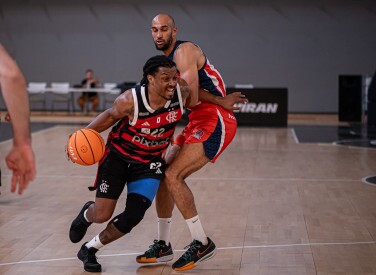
(185, 92)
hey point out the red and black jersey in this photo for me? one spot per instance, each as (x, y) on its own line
(148, 135)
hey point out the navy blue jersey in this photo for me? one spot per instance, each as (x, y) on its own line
(208, 77)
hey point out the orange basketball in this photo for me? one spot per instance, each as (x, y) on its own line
(85, 147)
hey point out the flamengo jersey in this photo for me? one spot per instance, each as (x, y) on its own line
(208, 77)
(148, 135)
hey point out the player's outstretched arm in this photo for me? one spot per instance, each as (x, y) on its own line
(123, 107)
(21, 157)
(13, 87)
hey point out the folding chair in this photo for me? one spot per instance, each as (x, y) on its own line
(61, 95)
(37, 95)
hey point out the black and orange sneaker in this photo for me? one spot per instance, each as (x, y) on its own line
(195, 254)
(79, 225)
(158, 252)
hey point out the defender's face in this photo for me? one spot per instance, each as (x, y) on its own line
(165, 82)
(163, 32)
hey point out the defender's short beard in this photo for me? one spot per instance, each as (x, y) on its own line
(165, 46)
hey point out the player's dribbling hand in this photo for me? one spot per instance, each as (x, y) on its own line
(67, 155)
(22, 162)
(7, 117)
(230, 100)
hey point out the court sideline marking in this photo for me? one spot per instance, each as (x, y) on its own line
(220, 248)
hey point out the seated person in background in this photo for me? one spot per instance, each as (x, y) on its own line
(89, 82)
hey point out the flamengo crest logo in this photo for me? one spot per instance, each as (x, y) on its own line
(104, 186)
(172, 116)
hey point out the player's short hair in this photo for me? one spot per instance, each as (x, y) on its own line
(153, 64)
(172, 19)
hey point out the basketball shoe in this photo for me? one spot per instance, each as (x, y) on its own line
(79, 225)
(87, 256)
(158, 252)
(195, 254)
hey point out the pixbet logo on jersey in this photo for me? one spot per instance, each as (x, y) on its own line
(150, 143)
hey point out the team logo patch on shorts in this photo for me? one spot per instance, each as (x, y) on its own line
(104, 186)
(199, 134)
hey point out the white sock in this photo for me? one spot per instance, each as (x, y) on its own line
(164, 227)
(197, 231)
(95, 242)
(85, 215)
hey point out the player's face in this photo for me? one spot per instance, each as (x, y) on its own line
(163, 32)
(165, 81)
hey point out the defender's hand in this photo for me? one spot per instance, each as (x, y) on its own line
(230, 100)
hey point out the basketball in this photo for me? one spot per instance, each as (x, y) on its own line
(85, 147)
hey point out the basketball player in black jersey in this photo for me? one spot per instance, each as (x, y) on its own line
(145, 117)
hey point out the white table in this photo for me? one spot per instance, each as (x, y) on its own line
(81, 90)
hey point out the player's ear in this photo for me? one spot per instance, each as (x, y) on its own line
(150, 78)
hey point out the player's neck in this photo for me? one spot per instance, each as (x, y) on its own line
(170, 49)
(156, 102)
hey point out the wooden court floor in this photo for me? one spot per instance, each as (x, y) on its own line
(271, 205)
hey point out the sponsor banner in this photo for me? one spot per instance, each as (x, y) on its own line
(265, 107)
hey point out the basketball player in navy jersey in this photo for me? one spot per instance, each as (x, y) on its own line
(146, 117)
(21, 158)
(211, 128)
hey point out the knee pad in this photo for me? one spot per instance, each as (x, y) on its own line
(134, 212)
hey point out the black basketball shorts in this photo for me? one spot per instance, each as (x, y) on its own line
(114, 173)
